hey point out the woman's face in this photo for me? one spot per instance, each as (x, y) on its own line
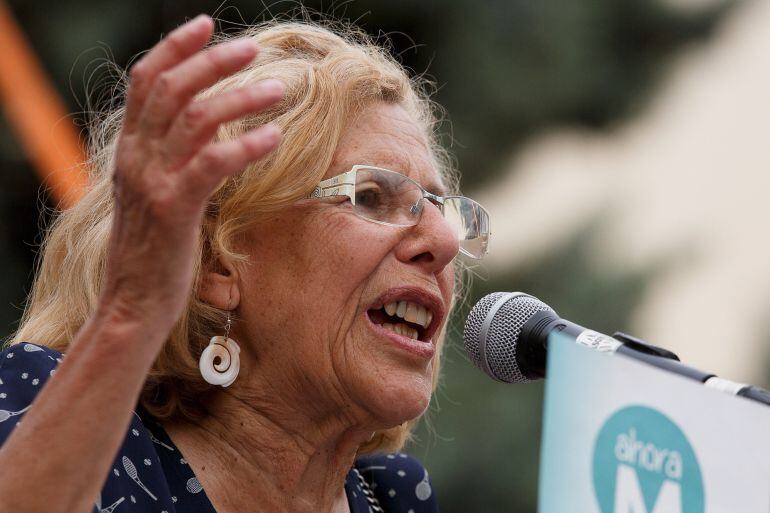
(312, 298)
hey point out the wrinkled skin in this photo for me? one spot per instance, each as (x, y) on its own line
(316, 378)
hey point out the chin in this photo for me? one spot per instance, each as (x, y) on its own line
(399, 398)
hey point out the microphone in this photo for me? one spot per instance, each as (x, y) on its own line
(506, 336)
(492, 331)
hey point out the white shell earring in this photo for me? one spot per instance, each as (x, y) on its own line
(224, 349)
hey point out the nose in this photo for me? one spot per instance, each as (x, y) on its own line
(431, 243)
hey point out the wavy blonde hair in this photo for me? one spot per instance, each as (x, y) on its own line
(331, 72)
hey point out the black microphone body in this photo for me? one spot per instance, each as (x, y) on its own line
(533, 343)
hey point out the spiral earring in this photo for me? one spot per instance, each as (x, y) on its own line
(224, 371)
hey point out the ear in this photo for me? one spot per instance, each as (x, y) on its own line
(219, 284)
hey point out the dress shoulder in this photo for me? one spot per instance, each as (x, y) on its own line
(149, 475)
(24, 369)
(399, 481)
(136, 482)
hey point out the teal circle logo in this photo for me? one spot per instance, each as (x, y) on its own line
(643, 463)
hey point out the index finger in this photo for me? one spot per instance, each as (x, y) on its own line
(180, 44)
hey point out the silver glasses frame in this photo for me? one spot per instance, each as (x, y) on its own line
(344, 184)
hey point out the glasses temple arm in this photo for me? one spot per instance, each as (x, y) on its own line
(340, 185)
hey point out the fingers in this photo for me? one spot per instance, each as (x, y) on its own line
(171, 132)
(173, 49)
(220, 160)
(198, 122)
(175, 87)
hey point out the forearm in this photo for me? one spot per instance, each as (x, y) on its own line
(167, 164)
(57, 458)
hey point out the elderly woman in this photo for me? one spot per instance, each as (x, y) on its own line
(250, 297)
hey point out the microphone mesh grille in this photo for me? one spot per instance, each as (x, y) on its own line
(503, 334)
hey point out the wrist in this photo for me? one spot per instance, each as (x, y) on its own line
(120, 327)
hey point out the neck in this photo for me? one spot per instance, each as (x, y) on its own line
(257, 458)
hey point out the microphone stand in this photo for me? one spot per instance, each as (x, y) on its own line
(669, 361)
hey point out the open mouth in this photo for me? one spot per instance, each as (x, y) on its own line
(405, 318)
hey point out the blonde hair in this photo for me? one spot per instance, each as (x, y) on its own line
(330, 74)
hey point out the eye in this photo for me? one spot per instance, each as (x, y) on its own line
(369, 194)
(369, 198)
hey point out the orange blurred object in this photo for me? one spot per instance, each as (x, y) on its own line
(38, 116)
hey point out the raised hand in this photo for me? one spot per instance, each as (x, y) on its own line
(167, 166)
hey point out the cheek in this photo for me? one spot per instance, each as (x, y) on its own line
(308, 269)
(348, 249)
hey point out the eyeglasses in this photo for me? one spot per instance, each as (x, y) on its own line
(390, 198)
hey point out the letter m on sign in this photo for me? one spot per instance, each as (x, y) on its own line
(629, 497)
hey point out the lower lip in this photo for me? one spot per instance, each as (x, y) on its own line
(417, 347)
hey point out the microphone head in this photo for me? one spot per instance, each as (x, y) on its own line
(492, 330)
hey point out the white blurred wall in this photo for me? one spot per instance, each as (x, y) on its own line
(689, 176)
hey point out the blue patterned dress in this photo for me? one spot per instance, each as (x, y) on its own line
(150, 474)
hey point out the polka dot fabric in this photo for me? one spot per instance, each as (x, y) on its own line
(399, 482)
(150, 475)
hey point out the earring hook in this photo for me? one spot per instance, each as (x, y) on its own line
(228, 324)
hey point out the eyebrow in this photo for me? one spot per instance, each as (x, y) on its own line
(394, 163)
(437, 190)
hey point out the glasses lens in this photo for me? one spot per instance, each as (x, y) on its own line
(390, 197)
(387, 196)
(471, 223)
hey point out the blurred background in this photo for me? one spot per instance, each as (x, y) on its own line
(621, 147)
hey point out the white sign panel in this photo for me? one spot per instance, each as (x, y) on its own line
(621, 436)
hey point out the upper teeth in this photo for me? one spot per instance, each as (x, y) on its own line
(410, 312)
